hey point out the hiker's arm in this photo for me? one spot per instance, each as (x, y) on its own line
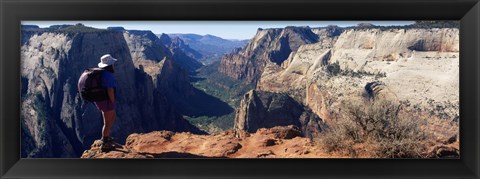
(111, 95)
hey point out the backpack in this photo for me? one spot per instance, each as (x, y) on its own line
(90, 85)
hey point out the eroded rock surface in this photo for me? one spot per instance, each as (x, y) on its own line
(277, 142)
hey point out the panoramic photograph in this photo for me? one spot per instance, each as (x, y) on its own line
(240, 89)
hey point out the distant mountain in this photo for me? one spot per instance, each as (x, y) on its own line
(211, 47)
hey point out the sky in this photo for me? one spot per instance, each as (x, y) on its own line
(224, 29)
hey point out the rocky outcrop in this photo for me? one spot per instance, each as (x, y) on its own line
(57, 121)
(277, 142)
(292, 78)
(267, 46)
(259, 109)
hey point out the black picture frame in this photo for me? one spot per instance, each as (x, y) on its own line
(12, 12)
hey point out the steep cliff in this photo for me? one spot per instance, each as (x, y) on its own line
(267, 46)
(259, 109)
(146, 50)
(56, 122)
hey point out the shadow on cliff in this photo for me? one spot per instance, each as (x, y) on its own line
(194, 78)
(201, 104)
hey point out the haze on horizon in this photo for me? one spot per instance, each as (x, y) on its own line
(239, 30)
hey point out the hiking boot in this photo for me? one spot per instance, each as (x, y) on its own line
(108, 144)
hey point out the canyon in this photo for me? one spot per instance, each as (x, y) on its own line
(280, 95)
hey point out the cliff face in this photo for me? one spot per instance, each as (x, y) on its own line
(156, 59)
(267, 46)
(57, 122)
(259, 109)
(418, 67)
(393, 44)
(146, 50)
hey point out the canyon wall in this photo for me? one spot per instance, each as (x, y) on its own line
(418, 67)
(268, 45)
(56, 122)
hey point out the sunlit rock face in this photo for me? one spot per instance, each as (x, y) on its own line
(416, 66)
(267, 46)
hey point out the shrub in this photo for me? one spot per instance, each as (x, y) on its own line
(334, 140)
(334, 69)
(80, 28)
(381, 124)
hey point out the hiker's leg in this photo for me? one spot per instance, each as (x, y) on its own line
(108, 119)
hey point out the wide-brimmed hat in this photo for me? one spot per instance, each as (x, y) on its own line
(106, 60)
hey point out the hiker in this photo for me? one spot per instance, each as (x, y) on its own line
(107, 106)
